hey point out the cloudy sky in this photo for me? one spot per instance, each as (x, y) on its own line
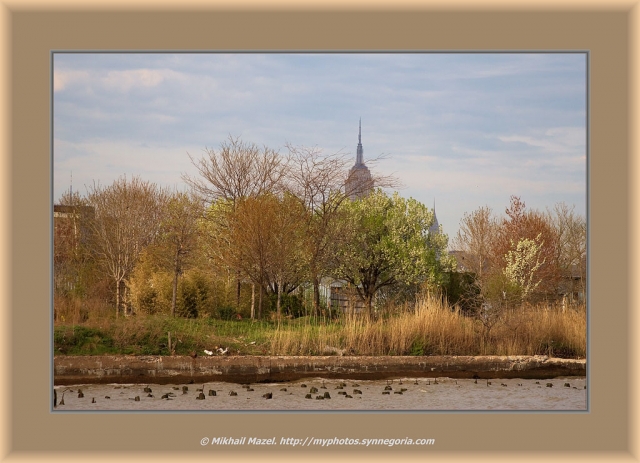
(463, 130)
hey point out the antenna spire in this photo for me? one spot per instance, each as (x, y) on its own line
(360, 151)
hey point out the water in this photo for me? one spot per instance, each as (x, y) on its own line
(427, 394)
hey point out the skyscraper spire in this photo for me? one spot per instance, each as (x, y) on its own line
(359, 152)
(435, 226)
(359, 183)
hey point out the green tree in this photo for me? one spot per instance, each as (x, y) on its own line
(389, 244)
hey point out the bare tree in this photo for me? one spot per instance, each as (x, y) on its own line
(474, 239)
(127, 215)
(321, 183)
(571, 230)
(236, 171)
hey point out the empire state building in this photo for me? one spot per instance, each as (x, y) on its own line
(359, 183)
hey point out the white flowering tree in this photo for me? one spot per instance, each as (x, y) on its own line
(389, 243)
(522, 263)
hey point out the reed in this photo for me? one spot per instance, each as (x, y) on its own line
(431, 328)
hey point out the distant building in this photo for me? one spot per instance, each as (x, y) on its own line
(434, 229)
(359, 183)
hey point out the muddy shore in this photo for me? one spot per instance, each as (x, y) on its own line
(253, 369)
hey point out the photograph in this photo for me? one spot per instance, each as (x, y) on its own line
(320, 232)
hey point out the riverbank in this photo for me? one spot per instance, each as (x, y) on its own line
(125, 369)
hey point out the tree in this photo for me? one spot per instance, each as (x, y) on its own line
(318, 182)
(571, 230)
(388, 244)
(520, 224)
(179, 234)
(475, 238)
(127, 218)
(261, 237)
(236, 171)
(70, 250)
(522, 264)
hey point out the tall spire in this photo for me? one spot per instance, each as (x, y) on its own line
(359, 155)
(435, 226)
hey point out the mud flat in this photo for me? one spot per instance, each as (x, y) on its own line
(255, 369)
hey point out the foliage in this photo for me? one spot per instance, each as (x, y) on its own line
(388, 243)
(522, 264)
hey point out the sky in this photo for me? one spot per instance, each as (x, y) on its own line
(461, 130)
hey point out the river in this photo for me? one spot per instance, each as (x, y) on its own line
(407, 394)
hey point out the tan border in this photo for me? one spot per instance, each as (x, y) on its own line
(608, 29)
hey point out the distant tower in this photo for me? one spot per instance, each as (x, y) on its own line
(359, 183)
(434, 229)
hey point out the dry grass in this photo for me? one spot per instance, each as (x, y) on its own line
(432, 329)
(435, 329)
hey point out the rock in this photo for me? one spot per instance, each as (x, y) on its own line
(268, 395)
(200, 396)
(308, 396)
(212, 392)
(327, 395)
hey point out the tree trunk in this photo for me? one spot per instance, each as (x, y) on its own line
(260, 303)
(278, 299)
(316, 296)
(253, 301)
(117, 298)
(174, 295)
(238, 292)
(369, 304)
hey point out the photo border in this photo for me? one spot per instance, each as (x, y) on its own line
(608, 30)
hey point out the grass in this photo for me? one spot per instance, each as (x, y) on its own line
(431, 329)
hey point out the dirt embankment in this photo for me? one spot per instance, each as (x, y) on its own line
(252, 369)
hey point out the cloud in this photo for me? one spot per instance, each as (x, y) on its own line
(63, 78)
(124, 81)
